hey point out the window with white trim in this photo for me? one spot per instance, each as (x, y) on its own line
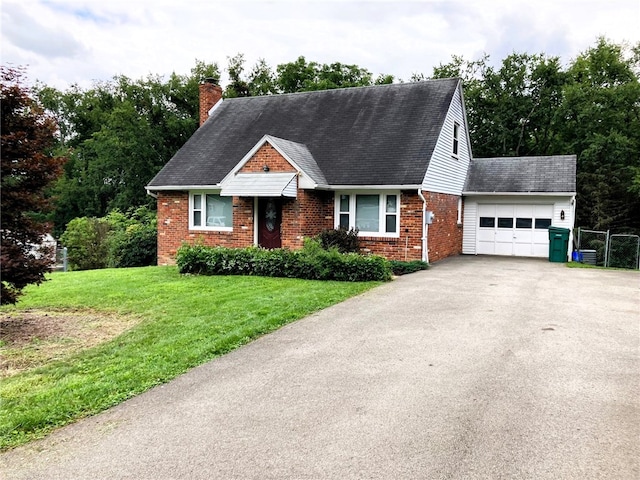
(372, 214)
(210, 211)
(456, 138)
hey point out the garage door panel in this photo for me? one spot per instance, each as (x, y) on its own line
(543, 211)
(524, 211)
(504, 211)
(510, 229)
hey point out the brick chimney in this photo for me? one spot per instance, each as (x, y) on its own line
(210, 94)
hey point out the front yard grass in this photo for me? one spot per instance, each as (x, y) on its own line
(179, 322)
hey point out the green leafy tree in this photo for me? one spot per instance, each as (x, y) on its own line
(117, 136)
(86, 239)
(27, 168)
(133, 238)
(116, 240)
(511, 109)
(238, 87)
(262, 79)
(300, 76)
(531, 105)
(601, 123)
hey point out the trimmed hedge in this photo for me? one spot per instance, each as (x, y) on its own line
(402, 268)
(312, 264)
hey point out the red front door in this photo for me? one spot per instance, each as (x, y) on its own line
(269, 220)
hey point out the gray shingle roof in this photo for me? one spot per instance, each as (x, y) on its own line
(546, 174)
(301, 156)
(380, 135)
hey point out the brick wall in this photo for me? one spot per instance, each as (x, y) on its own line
(307, 215)
(269, 156)
(302, 217)
(444, 237)
(210, 94)
(173, 226)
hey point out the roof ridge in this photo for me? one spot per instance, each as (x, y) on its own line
(357, 87)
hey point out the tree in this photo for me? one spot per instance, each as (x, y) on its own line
(530, 105)
(601, 123)
(117, 136)
(511, 109)
(238, 87)
(300, 76)
(27, 168)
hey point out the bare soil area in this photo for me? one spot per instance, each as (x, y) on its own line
(32, 338)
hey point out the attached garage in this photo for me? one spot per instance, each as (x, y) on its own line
(509, 204)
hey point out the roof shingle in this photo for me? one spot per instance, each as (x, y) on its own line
(379, 135)
(542, 174)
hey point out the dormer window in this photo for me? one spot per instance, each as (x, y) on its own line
(456, 135)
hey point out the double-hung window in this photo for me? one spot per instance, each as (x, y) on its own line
(210, 211)
(373, 214)
(456, 139)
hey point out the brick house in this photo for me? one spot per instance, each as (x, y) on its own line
(389, 160)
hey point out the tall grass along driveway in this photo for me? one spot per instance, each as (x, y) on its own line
(186, 320)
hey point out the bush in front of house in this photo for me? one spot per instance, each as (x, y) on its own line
(402, 268)
(345, 241)
(309, 263)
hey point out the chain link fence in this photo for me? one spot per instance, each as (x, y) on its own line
(608, 250)
(592, 246)
(623, 251)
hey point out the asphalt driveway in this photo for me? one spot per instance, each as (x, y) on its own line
(479, 368)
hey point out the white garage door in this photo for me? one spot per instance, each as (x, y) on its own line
(520, 230)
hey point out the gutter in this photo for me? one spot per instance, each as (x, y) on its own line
(507, 194)
(425, 232)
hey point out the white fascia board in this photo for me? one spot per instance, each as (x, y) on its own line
(466, 120)
(252, 152)
(213, 109)
(518, 194)
(182, 187)
(371, 187)
(244, 160)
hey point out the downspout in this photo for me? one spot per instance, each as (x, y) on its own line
(425, 232)
(150, 193)
(572, 244)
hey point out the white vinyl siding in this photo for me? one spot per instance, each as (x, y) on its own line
(447, 171)
(469, 227)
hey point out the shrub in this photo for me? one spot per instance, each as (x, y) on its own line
(117, 240)
(86, 242)
(345, 241)
(133, 239)
(309, 263)
(402, 268)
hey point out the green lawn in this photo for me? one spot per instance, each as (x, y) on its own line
(187, 320)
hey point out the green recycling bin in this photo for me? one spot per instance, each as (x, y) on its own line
(558, 244)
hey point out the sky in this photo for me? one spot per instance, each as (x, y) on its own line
(66, 42)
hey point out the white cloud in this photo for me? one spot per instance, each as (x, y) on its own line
(35, 35)
(77, 41)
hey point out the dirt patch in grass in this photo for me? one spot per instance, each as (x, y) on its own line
(32, 338)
